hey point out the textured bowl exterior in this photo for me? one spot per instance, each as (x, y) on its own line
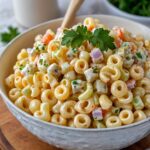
(65, 137)
(81, 140)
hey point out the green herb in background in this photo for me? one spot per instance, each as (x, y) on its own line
(7, 36)
(100, 38)
(137, 7)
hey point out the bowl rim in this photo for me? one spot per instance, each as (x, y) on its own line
(126, 13)
(7, 100)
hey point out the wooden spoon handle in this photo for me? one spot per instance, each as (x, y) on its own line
(71, 11)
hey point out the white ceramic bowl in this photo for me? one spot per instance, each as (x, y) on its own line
(113, 10)
(66, 137)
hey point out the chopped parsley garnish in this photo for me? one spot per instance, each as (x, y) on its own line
(138, 103)
(21, 67)
(95, 69)
(74, 50)
(43, 47)
(125, 44)
(127, 57)
(76, 37)
(39, 46)
(41, 61)
(135, 100)
(27, 91)
(139, 55)
(74, 82)
(9, 35)
(46, 65)
(116, 111)
(96, 101)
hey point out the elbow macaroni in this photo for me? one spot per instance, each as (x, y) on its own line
(10, 81)
(43, 113)
(61, 92)
(80, 66)
(105, 102)
(115, 60)
(119, 89)
(23, 103)
(113, 121)
(126, 116)
(139, 115)
(58, 119)
(87, 93)
(67, 109)
(34, 105)
(14, 94)
(136, 72)
(82, 121)
(48, 96)
(85, 106)
(110, 73)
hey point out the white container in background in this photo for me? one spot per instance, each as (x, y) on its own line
(32, 12)
(88, 7)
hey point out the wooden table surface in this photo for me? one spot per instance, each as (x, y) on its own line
(13, 136)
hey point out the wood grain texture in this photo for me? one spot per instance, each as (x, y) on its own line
(13, 136)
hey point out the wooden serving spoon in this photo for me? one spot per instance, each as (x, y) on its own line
(71, 11)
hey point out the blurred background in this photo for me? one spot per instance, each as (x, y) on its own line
(19, 15)
(23, 14)
(89, 7)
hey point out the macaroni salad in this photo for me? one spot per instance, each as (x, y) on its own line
(88, 76)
